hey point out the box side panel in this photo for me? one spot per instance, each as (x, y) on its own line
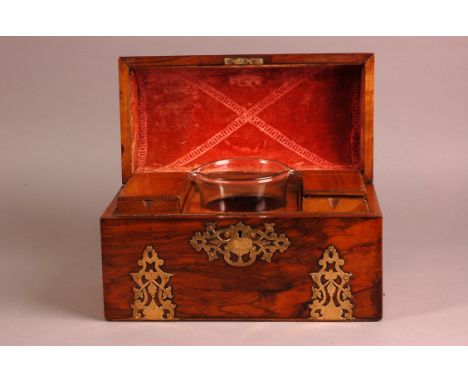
(215, 290)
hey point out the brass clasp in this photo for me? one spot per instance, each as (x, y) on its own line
(243, 61)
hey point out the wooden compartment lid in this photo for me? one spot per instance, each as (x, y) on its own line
(310, 111)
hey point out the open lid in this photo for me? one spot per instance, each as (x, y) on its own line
(310, 111)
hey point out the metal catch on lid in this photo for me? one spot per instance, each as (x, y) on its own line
(243, 61)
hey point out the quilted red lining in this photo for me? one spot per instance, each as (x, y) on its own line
(308, 117)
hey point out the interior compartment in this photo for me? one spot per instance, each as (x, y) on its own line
(320, 204)
(333, 183)
(308, 192)
(154, 193)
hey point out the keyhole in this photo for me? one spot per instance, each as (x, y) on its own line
(239, 233)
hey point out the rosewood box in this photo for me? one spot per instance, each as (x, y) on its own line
(319, 257)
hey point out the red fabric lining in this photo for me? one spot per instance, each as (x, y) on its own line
(305, 116)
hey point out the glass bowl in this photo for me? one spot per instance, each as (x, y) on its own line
(242, 184)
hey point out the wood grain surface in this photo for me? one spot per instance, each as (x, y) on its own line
(280, 290)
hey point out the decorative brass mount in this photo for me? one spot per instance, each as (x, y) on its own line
(151, 295)
(331, 299)
(240, 244)
(243, 61)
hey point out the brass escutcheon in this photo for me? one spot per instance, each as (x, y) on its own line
(240, 244)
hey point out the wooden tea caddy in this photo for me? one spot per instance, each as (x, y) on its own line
(319, 258)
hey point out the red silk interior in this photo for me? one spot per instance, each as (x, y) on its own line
(308, 117)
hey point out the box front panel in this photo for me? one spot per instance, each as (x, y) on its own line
(236, 269)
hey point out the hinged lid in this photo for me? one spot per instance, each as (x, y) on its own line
(310, 111)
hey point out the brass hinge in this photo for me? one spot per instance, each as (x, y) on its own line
(243, 61)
